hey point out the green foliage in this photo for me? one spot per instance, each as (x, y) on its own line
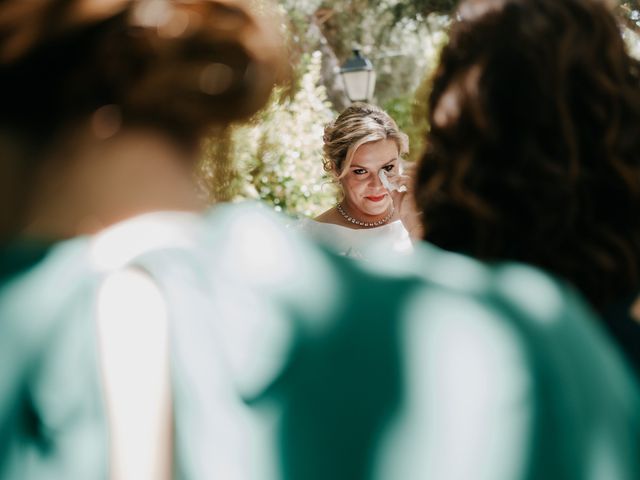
(407, 112)
(401, 48)
(277, 157)
(410, 110)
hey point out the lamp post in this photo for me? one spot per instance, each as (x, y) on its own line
(359, 77)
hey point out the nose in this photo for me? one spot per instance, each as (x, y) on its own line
(375, 182)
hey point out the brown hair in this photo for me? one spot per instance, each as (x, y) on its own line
(358, 124)
(533, 152)
(180, 66)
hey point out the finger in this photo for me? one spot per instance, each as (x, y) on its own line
(384, 179)
(401, 182)
(396, 182)
(397, 198)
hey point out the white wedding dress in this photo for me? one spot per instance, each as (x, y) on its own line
(351, 242)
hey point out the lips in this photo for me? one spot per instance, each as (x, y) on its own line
(375, 198)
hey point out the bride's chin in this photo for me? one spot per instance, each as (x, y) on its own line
(380, 209)
(376, 212)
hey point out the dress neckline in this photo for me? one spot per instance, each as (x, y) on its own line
(355, 229)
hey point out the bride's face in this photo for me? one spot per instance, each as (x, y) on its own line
(364, 194)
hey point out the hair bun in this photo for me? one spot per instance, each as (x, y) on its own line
(180, 64)
(24, 25)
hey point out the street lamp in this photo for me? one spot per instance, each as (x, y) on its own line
(359, 77)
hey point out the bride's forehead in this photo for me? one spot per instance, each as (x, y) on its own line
(380, 152)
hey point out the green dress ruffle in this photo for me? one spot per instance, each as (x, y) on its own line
(52, 420)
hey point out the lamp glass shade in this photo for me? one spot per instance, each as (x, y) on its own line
(359, 84)
(359, 77)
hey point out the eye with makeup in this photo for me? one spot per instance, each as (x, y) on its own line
(361, 171)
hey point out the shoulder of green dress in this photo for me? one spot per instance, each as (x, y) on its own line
(431, 265)
(537, 294)
(32, 301)
(59, 263)
(525, 289)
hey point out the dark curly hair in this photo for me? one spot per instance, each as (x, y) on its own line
(533, 152)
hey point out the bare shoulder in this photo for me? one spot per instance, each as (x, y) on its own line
(330, 216)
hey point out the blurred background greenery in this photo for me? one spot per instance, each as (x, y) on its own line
(277, 157)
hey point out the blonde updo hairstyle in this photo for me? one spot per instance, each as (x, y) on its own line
(358, 124)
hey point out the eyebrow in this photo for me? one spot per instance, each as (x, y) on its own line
(355, 165)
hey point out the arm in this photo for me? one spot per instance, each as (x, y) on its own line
(133, 335)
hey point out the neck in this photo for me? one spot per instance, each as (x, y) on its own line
(97, 185)
(361, 219)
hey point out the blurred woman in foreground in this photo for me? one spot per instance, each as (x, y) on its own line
(104, 106)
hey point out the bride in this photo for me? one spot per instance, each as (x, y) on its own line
(363, 151)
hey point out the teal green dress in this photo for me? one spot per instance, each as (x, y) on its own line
(291, 363)
(439, 367)
(52, 423)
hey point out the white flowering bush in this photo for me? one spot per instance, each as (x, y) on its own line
(277, 157)
(632, 39)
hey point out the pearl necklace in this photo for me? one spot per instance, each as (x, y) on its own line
(355, 221)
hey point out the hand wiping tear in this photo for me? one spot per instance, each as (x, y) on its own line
(390, 182)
